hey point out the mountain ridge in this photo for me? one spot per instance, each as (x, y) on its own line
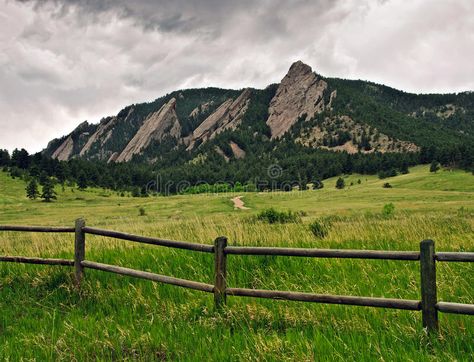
(321, 113)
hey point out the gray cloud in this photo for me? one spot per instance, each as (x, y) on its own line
(63, 61)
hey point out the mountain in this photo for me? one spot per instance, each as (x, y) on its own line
(305, 109)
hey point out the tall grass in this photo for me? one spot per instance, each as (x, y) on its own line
(44, 318)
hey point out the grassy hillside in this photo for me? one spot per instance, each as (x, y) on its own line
(417, 191)
(115, 317)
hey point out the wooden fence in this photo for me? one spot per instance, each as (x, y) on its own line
(426, 256)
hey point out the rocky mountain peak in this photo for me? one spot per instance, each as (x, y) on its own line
(298, 68)
(300, 94)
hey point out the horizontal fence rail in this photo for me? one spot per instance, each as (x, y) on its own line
(148, 240)
(328, 299)
(456, 308)
(149, 276)
(426, 257)
(450, 256)
(324, 253)
(29, 260)
(37, 229)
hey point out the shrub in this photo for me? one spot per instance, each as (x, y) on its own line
(273, 216)
(141, 211)
(136, 192)
(388, 210)
(319, 229)
(317, 185)
(387, 185)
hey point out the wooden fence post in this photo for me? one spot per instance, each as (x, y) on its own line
(79, 251)
(428, 286)
(220, 272)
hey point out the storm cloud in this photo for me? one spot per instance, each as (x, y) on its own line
(62, 62)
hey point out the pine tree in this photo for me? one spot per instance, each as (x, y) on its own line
(32, 189)
(48, 191)
(434, 166)
(82, 181)
(340, 183)
(404, 168)
(43, 178)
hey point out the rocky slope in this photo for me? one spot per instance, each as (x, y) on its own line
(305, 108)
(343, 134)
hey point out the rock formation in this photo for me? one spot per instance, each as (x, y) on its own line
(300, 94)
(102, 134)
(158, 125)
(227, 116)
(64, 151)
(196, 116)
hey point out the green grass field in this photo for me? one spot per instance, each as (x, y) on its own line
(119, 318)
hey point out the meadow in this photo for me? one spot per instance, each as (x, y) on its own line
(43, 317)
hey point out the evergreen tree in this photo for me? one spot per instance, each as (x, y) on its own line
(434, 166)
(48, 191)
(340, 184)
(82, 181)
(4, 158)
(404, 168)
(43, 178)
(20, 158)
(32, 190)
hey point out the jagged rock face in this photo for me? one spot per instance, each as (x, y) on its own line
(157, 125)
(200, 109)
(101, 143)
(113, 157)
(227, 116)
(236, 150)
(64, 151)
(299, 94)
(101, 135)
(71, 145)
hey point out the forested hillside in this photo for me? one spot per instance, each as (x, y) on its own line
(307, 128)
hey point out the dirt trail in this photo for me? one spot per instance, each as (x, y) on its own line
(238, 203)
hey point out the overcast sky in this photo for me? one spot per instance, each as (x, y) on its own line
(63, 62)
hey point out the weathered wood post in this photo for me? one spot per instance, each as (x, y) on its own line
(220, 271)
(428, 286)
(79, 251)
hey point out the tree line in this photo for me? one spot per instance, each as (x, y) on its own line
(298, 165)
